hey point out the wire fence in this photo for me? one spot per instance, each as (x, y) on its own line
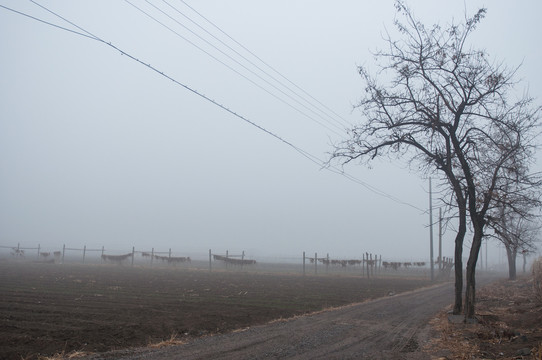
(367, 265)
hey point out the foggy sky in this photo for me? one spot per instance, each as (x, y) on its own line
(97, 150)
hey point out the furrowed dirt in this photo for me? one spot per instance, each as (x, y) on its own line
(47, 309)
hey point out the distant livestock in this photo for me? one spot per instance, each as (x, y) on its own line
(397, 265)
(393, 265)
(341, 263)
(234, 261)
(17, 252)
(116, 259)
(171, 259)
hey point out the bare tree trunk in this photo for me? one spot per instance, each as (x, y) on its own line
(511, 254)
(458, 265)
(470, 294)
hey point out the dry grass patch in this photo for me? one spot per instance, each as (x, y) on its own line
(537, 279)
(64, 356)
(173, 340)
(509, 326)
(451, 342)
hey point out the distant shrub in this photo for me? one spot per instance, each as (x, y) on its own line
(537, 279)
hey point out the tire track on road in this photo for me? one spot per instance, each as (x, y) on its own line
(385, 328)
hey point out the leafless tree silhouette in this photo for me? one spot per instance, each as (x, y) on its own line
(447, 109)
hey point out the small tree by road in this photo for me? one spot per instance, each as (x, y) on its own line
(448, 109)
(518, 233)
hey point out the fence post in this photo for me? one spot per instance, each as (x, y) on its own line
(210, 266)
(170, 253)
(315, 263)
(39, 251)
(242, 259)
(102, 257)
(63, 252)
(152, 256)
(303, 263)
(84, 252)
(367, 258)
(133, 253)
(327, 263)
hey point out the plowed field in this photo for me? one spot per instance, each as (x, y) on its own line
(48, 308)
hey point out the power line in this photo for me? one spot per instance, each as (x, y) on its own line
(46, 22)
(335, 119)
(314, 159)
(267, 65)
(249, 61)
(238, 63)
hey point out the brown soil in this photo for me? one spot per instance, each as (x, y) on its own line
(509, 326)
(391, 327)
(47, 309)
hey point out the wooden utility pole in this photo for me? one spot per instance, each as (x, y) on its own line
(431, 231)
(303, 263)
(367, 258)
(440, 238)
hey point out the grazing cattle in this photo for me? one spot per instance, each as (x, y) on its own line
(180, 259)
(241, 261)
(339, 262)
(145, 254)
(370, 262)
(397, 265)
(17, 252)
(57, 255)
(161, 258)
(116, 259)
(393, 265)
(234, 261)
(173, 259)
(45, 255)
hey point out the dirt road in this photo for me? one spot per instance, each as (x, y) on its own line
(394, 327)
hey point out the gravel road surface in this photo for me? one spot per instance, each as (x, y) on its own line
(394, 327)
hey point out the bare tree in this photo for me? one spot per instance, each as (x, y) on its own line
(445, 108)
(517, 229)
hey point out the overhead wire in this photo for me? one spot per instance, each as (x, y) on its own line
(341, 128)
(46, 22)
(338, 118)
(334, 118)
(238, 63)
(314, 159)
